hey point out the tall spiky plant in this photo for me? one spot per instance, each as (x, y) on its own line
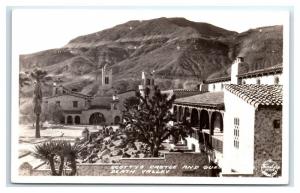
(39, 77)
(71, 153)
(47, 152)
(149, 121)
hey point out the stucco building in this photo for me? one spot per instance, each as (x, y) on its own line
(237, 120)
(78, 108)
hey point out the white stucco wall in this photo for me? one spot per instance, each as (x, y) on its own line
(239, 159)
(192, 141)
(269, 79)
(218, 86)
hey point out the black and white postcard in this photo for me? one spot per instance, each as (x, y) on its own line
(163, 95)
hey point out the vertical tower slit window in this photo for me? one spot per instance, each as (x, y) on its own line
(236, 133)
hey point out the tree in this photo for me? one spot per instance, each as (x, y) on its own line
(39, 76)
(53, 113)
(131, 102)
(48, 151)
(149, 122)
(71, 153)
(58, 153)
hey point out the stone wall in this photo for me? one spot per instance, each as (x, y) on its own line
(173, 164)
(267, 139)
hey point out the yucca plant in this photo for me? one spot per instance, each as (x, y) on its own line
(65, 153)
(47, 152)
(71, 154)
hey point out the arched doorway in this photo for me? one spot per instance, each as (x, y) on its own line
(180, 114)
(77, 120)
(117, 120)
(69, 120)
(204, 137)
(186, 116)
(193, 148)
(96, 119)
(175, 113)
(216, 122)
(204, 120)
(194, 118)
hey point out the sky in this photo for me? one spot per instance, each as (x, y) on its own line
(41, 29)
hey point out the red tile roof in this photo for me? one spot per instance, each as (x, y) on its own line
(208, 100)
(215, 80)
(258, 95)
(180, 93)
(261, 72)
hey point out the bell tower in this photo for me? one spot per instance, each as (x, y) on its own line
(147, 82)
(106, 77)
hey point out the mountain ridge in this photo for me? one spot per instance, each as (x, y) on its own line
(182, 53)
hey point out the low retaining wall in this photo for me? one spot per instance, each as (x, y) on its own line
(173, 164)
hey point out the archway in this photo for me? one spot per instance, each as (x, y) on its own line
(96, 119)
(69, 120)
(186, 115)
(204, 138)
(117, 120)
(204, 120)
(194, 118)
(180, 114)
(216, 122)
(175, 113)
(77, 120)
(193, 147)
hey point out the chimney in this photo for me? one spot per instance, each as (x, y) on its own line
(54, 89)
(235, 70)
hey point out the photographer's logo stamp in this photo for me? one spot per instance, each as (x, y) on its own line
(269, 168)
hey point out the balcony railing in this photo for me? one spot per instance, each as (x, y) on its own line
(214, 142)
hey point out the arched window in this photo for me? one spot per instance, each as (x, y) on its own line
(69, 120)
(214, 87)
(77, 120)
(276, 80)
(222, 86)
(106, 80)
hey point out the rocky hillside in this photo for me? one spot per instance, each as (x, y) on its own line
(181, 52)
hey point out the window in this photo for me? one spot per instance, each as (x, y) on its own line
(244, 82)
(276, 80)
(148, 82)
(214, 87)
(75, 104)
(115, 107)
(106, 80)
(57, 103)
(236, 133)
(258, 81)
(222, 86)
(276, 126)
